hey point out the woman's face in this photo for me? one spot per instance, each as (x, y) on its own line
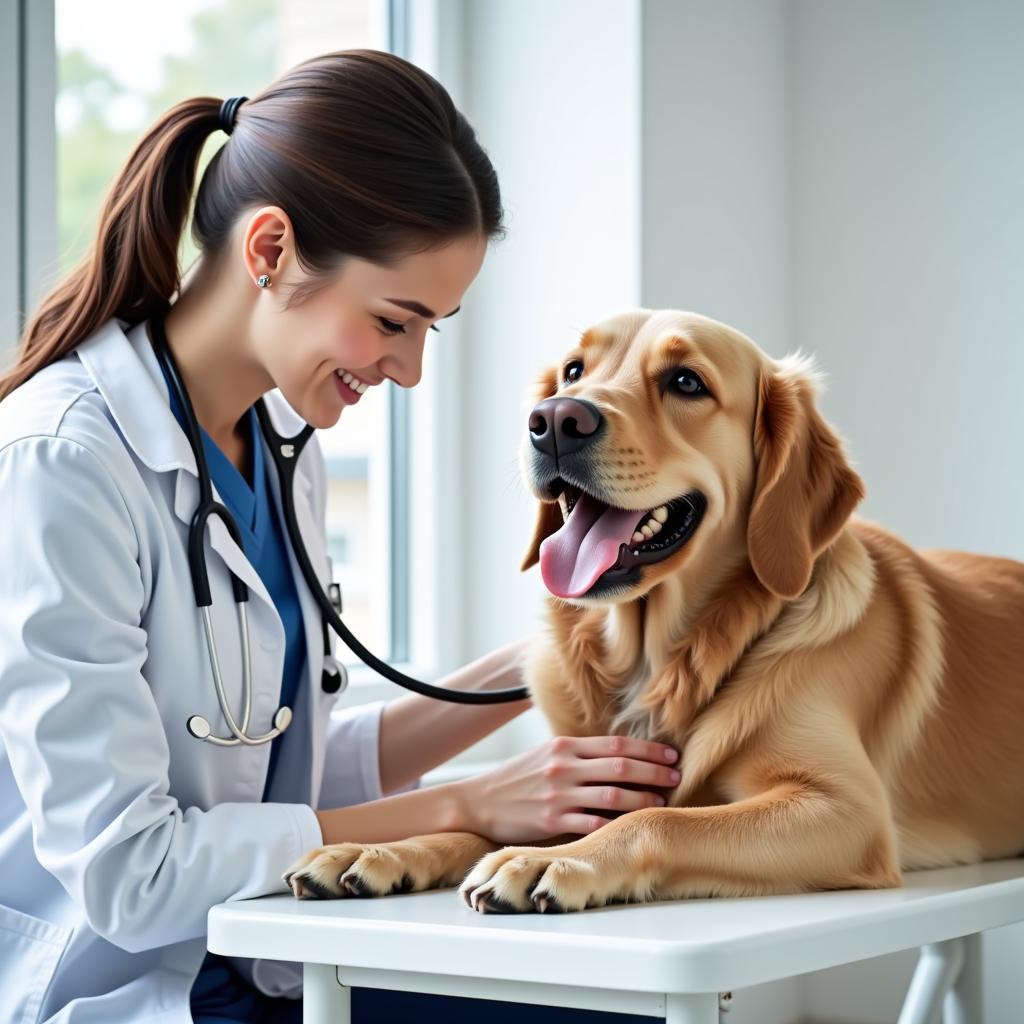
(367, 326)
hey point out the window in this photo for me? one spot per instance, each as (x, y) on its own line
(120, 65)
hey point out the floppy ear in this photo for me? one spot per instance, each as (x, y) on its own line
(805, 489)
(549, 514)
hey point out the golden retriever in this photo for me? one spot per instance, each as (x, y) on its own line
(846, 706)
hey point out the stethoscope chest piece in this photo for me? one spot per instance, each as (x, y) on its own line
(334, 678)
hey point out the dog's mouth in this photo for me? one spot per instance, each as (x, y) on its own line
(601, 547)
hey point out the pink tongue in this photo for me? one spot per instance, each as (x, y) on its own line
(572, 559)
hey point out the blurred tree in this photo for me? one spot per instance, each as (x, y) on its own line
(234, 54)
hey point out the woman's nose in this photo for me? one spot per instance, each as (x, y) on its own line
(406, 368)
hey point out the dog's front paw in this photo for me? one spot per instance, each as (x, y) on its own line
(352, 869)
(523, 879)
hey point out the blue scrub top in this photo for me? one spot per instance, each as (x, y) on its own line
(264, 543)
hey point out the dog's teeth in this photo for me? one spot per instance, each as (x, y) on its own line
(660, 514)
(647, 531)
(653, 525)
(638, 538)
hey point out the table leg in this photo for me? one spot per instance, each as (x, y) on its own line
(324, 999)
(937, 969)
(700, 1008)
(964, 1003)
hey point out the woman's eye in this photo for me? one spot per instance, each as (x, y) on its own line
(573, 372)
(390, 327)
(687, 383)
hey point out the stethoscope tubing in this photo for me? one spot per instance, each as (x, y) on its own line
(285, 453)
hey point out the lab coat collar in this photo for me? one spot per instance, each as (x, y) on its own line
(126, 372)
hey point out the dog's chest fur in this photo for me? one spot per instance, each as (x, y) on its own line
(630, 718)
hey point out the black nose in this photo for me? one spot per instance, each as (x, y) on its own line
(561, 426)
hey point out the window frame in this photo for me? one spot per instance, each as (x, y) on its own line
(28, 168)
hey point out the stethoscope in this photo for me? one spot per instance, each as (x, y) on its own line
(285, 452)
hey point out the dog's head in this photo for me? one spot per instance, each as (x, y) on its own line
(663, 435)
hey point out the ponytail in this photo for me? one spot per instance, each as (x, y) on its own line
(131, 271)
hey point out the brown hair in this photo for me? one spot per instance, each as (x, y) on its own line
(364, 151)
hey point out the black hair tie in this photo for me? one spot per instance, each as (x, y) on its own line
(228, 113)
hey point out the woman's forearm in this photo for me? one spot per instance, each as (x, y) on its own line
(443, 808)
(418, 733)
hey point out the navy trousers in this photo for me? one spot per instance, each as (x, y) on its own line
(222, 996)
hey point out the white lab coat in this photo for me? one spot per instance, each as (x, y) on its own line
(118, 829)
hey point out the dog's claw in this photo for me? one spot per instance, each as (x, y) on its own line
(486, 902)
(546, 903)
(356, 886)
(406, 884)
(306, 888)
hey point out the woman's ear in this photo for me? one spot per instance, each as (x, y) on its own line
(549, 514)
(805, 489)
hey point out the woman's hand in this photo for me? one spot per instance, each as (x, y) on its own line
(552, 789)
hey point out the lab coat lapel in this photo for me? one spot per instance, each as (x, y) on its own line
(124, 366)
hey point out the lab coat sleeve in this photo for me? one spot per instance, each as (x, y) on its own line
(82, 730)
(352, 768)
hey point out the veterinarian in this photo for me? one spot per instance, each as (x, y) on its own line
(346, 215)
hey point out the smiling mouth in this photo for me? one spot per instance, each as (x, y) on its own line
(601, 548)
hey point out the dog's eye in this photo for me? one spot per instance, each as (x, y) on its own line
(573, 372)
(687, 383)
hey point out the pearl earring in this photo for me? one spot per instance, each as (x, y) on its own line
(263, 281)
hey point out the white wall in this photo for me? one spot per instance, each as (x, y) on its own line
(908, 252)
(717, 153)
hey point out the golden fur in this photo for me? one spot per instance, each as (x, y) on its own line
(846, 706)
